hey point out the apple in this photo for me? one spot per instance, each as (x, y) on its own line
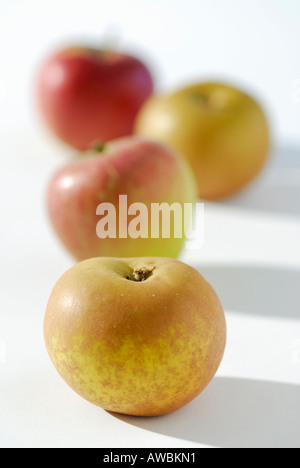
(85, 195)
(222, 132)
(139, 336)
(88, 96)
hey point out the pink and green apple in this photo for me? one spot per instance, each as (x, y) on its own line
(83, 198)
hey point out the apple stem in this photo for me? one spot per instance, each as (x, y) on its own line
(202, 98)
(99, 148)
(141, 274)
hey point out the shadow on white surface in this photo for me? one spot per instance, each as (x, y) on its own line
(277, 189)
(259, 290)
(240, 412)
(234, 413)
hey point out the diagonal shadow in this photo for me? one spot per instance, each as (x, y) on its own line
(277, 189)
(234, 413)
(259, 290)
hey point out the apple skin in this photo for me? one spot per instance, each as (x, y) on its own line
(88, 96)
(142, 348)
(145, 171)
(222, 132)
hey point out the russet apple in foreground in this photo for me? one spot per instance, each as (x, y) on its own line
(88, 96)
(139, 336)
(146, 173)
(222, 132)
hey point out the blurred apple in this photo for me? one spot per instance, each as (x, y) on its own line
(147, 173)
(88, 96)
(222, 132)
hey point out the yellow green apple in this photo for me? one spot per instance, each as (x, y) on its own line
(139, 336)
(87, 196)
(222, 131)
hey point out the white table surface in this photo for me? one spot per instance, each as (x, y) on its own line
(251, 255)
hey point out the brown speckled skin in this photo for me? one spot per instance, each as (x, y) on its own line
(139, 348)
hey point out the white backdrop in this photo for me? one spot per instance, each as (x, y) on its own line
(254, 44)
(251, 252)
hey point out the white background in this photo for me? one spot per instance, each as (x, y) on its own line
(251, 253)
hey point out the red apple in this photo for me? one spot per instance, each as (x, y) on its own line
(89, 96)
(148, 174)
